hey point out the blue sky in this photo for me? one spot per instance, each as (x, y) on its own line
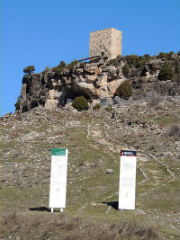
(44, 32)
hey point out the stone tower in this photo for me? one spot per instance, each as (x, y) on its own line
(108, 41)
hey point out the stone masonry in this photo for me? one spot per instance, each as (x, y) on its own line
(108, 41)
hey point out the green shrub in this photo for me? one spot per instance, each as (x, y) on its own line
(141, 62)
(147, 57)
(166, 72)
(112, 62)
(167, 56)
(124, 90)
(60, 67)
(71, 66)
(97, 107)
(162, 55)
(108, 109)
(116, 61)
(80, 103)
(125, 70)
(29, 69)
(137, 61)
(132, 59)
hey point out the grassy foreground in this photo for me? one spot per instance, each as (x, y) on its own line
(94, 141)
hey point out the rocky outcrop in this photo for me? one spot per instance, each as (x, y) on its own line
(94, 80)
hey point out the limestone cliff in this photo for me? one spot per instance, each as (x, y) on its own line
(96, 80)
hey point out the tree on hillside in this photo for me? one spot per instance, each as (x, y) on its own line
(124, 90)
(29, 69)
(166, 72)
(80, 103)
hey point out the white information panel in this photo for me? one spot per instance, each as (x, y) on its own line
(58, 180)
(127, 185)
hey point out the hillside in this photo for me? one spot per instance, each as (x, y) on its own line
(94, 139)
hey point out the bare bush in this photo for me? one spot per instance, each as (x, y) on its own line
(155, 99)
(174, 132)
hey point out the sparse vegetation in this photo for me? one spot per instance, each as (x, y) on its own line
(97, 107)
(166, 56)
(147, 57)
(29, 69)
(115, 61)
(137, 61)
(124, 90)
(109, 109)
(62, 66)
(64, 227)
(142, 61)
(125, 70)
(71, 66)
(132, 59)
(94, 141)
(80, 103)
(59, 68)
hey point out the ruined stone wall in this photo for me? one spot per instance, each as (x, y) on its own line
(108, 41)
(116, 44)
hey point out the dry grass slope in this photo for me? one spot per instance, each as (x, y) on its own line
(94, 140)
(37, 227)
